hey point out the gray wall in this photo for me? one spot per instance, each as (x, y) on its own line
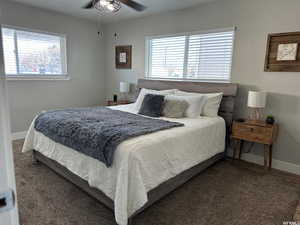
(254, 20)
(84, 51)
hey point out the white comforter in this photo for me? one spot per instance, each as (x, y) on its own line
(140, 163)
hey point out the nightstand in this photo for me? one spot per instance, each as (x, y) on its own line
(120, 102)
(261, 133)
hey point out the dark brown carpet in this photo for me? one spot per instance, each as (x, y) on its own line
(235, 194)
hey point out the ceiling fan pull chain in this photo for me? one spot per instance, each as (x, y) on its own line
(99, 27)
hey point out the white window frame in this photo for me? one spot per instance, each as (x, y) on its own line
(187, 34)
(64, 48)
(7, 173)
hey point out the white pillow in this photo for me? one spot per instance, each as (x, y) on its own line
(212, 105)
(195, 104)
(144, 92)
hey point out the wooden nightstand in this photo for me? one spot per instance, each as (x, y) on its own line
(263, 133)
(121, 102)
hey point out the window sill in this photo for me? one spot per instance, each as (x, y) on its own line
(37, 78)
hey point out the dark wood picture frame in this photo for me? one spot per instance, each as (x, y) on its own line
(123, 57)
(272, 64)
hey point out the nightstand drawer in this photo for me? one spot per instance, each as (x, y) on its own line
(252, 132)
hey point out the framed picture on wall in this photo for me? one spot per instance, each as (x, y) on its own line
(283, 52)
(123, 57)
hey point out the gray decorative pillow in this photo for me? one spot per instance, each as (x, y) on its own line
(152, 105)
(174, 108)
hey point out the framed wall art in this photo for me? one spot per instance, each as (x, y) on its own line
(283, 52)
(123, 57)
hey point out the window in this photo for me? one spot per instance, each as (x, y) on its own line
(31, 54)
(201, 56)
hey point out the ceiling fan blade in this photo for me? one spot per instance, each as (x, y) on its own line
(91, 4)
(137, 6)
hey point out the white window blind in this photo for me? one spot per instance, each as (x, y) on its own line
(202, 56)
(167, 57)
(31, 54)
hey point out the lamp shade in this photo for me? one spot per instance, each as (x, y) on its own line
(257, 99)
(124, 87)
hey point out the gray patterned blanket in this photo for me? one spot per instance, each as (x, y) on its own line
(96, 131)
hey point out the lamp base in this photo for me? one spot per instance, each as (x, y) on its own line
(255, 115)
(123, 96)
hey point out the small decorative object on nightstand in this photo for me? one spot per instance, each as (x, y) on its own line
(270, 119)
(261, 133)
(124, 89)
(115, 98)
(120, 102)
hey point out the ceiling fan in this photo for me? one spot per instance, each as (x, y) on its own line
(113, 5)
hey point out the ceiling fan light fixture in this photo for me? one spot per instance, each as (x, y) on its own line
(103, 3)
(108, 5)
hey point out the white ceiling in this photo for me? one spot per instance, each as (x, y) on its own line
(74, 7)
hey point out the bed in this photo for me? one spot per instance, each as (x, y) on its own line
(148, 167)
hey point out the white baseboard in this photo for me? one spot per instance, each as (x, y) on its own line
(19, 135)
(276, 164)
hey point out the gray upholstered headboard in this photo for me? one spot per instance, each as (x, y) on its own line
(229, 92)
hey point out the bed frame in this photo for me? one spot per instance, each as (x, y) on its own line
(226, 111)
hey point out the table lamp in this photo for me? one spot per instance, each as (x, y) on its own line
(256, 104)
(124, 89)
